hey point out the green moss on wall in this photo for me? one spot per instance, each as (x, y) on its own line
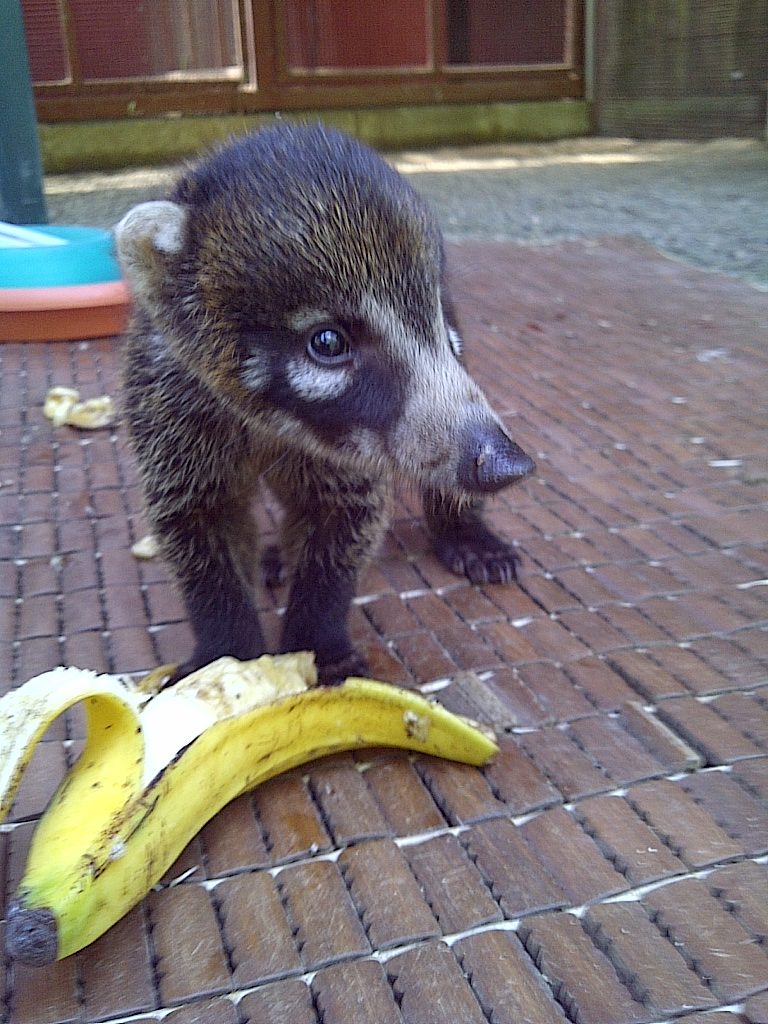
(94, 145)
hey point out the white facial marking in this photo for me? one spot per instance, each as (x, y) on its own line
(316, 383)
(303, 319)
(456, 343)
(255, 372)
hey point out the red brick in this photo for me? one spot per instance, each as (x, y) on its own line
(431, 988)
(279, 1003)
(522, 709)
(289, 820)
(516, 781)
(734, 809)
(472, 605)
(626, 582)
(116, 970)
(355, 993)
(737, 666)
(433, 613)
(256, 929)
(510, 602)
(552, 640)
(187, 942)
(619, 754)
(695, 675)
(672, 751)
(40, 780)
(172, 641)
(124, 606)
(45, 995)
(327, 927)
(88, 649)
(405, 801)
(754, 776)
(424, 657)
(38, 616)
(673, 616)
(584, 978)
(648, 964)
(583, 876)
(347, 806)
(38, 539)
(549, 594)
(131, 650)
(472, 648)
(747, 525)
(626, 841)
(509, 642)
(452, 885)
(707, 731)
(8, 615)
(634, 624)
(592, 629)
(209, 1011)
(386, 893)
(39, 576)
(747, 714)
(505, 981)
(233, 839)
(644, 675)
(82, 610)
(479, 699)
(554, 692)
(517, 879)
(460, 791)
(78, 572)
(391, 616)
(37, 655)
(743, 890)
(688, 830)
(603, 688)
(557, 756)
(726, 956)
(756, 1008)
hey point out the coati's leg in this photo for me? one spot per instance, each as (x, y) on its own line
(214, 553)
(334, 522)
(198, 476)
(464, 544)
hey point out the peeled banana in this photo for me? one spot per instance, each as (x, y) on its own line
(158, 763)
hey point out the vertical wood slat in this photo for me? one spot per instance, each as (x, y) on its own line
(696, 67)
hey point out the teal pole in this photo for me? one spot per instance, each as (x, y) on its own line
(22, 200)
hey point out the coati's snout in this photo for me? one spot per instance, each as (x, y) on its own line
(490, 460)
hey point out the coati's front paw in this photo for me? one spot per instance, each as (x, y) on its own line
(479, 555)
(353, 664)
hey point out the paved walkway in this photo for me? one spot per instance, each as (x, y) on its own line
(610, 866)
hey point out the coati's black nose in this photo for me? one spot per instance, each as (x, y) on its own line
(491, 460)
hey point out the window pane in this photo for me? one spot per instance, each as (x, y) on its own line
(347, 34)
(506, 31)
(45, 41)
(130, 38)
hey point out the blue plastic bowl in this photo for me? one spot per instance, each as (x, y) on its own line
(87, 258)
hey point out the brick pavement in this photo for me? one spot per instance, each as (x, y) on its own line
(610, 866)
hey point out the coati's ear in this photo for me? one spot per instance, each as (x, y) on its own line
(148, 238)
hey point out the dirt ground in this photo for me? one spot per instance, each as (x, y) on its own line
(703, 202)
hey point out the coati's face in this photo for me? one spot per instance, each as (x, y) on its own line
(302, 279)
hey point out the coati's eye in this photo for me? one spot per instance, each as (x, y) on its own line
(329, 346)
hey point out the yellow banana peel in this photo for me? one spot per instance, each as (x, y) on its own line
(158, 763)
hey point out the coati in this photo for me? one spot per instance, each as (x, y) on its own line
(292, 326)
